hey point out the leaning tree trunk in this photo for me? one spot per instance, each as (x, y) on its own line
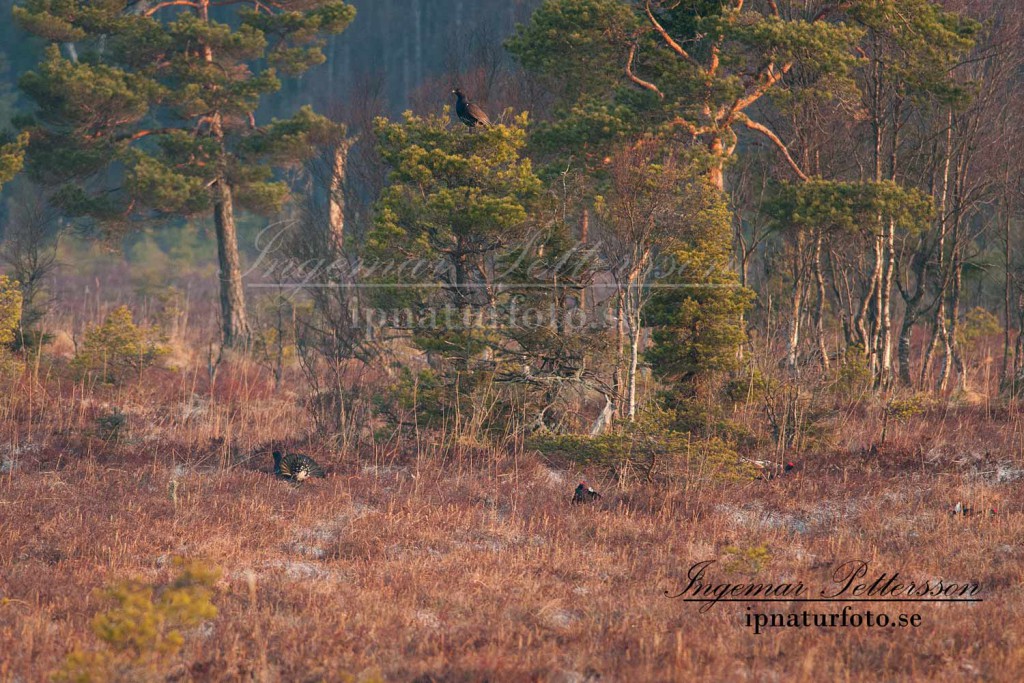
(948, 331)
(584, 239)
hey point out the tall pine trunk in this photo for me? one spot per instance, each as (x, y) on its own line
(716, 174)
(634, 361)
(885, 298)
(1004, 373)
(939, 322)
(885, 307)
(819, 311)
(620, 349)
(235, 324)
(957, 266)
(336, 198)
(796, 308)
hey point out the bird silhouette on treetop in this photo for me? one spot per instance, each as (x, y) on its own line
(469, 113)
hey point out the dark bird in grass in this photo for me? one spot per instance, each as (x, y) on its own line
(585, 493)
(769, 470)
(966, 511)
(469, 113)
(296, 467)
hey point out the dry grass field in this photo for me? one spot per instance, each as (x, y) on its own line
(412, 562)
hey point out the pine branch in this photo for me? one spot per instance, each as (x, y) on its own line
(170, 3)
(636, 79)
(673, 45)
(768, 133)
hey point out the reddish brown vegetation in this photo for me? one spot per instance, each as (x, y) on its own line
(464, 565)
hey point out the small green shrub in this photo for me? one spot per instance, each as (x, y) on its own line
(900, 410)
(746, 560)
(854, 376)
(978, 324)
(110, 425)
(432, 399)
(799, 416)
(10, 309)
(650, 448)
(10, 315)
(119, 348)
(143, 628)
(746, 387)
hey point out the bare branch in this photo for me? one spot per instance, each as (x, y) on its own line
(768, 133)
(689, 126)
(676, 47)
(828, 9)
(171, 3)
(138, 135)
(768, 77)
(639, 81)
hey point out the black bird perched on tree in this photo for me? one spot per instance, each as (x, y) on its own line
(296, 467)
(469, 113)
(585, 493)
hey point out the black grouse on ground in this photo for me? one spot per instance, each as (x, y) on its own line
(585, 493)
(967, 511)
(296, 467)
(469, 113)
(769, 470)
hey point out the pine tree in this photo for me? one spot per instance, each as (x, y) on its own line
(12, 154)
(696, 314)
(153, 111)
(686, 71)
(12, 149)
(456, 200)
